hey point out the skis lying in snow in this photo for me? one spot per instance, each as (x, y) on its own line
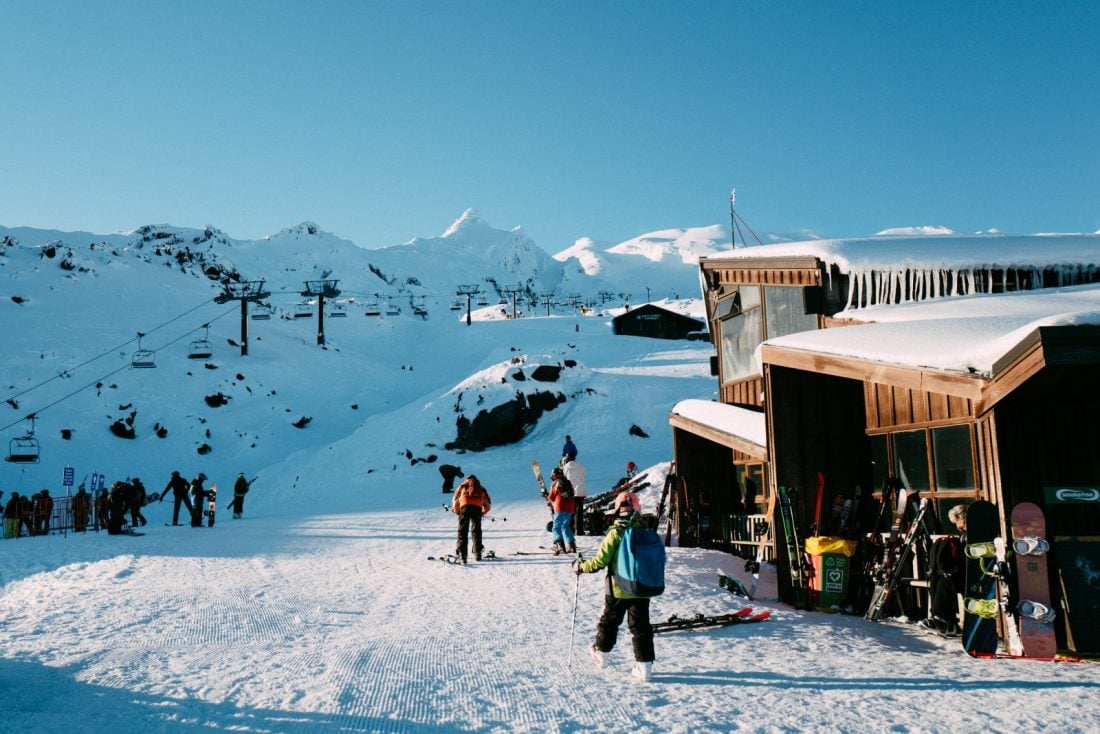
(732, 585)
(455, 559)
(700, 621)
(540, 553)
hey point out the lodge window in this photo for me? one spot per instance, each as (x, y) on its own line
(750, 314)
(939, 462)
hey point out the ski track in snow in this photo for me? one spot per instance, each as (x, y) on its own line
(340, 623)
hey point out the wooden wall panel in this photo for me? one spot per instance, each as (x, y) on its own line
(891, 406)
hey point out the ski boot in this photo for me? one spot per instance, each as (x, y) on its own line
(572, 548)
(598, 657)
(1030, 546)
(1035, 610)
(559, 548)
(641, 671)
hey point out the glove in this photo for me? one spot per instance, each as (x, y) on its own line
(577, 566)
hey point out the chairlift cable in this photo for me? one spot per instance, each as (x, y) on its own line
(112, 350)
(113, 372)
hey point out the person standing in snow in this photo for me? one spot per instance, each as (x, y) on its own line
(11, 517)
(43, 509)
(449, 472)
(138, 498)
(569, 449)
(560, 498)
(617, 604)
(240, 489)
(471, 502)
(575, 473)
(198, 498)
(81, 506)
(179, 488)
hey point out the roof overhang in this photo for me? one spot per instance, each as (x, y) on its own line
(1064, 345)
(736, 428)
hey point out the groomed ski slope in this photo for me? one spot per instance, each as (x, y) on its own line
(340, 623)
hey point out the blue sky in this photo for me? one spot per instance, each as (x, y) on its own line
(383, 121)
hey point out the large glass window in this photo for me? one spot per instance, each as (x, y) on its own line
(751, 314)
(742, 332)
(785, 312)
(952, 456)
(951, 464)
(911, 459)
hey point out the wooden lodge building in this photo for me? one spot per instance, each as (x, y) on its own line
(967, 366)
(651, 320)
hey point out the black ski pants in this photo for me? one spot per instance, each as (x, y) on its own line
(182, 499)
(469, 519)
(578, 516)
(636, 612)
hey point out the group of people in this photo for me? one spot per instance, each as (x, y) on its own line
(112, 507)
(195, 496)
(566, 498)
(31, 514)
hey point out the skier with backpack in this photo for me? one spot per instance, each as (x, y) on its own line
(634, 557)
(560, 499)
(471, 501)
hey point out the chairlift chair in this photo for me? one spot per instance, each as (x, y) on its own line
(456, 305)
(338, 310)
(482, 301)
(143, 358)
(393, 309)
(303, 311)
(262, 312)
(200, 348)
(372, 309)
(23, 450)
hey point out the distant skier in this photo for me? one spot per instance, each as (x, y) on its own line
(575, 473)
(240, 489)
(138, 500)
(569, 449)
(470, 503)
(617, 603)
(560, 498)
(179, 487)
(449, 472)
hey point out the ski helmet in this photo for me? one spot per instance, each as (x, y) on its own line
(627, 503)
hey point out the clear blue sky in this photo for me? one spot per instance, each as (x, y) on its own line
(383, 121)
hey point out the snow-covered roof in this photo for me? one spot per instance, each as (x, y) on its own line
(937, 252)
(962, 334)
(741, 423)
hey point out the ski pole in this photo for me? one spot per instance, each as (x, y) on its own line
(573, 626)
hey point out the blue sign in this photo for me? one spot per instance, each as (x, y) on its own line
(68, 480)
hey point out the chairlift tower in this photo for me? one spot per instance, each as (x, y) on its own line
(322, 289)
(469, 291)
(245, 291)
(513, 291)
(547, 300)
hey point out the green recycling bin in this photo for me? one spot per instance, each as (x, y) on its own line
(830, 560)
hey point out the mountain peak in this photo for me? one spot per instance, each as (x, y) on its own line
(470, 222)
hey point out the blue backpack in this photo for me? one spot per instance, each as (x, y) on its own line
(639, 566)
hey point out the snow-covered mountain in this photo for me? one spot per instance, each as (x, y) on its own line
(426, 270)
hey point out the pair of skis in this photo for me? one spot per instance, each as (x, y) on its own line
(702, 621)
(795, 560)
(453, 559)
(899, 552)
